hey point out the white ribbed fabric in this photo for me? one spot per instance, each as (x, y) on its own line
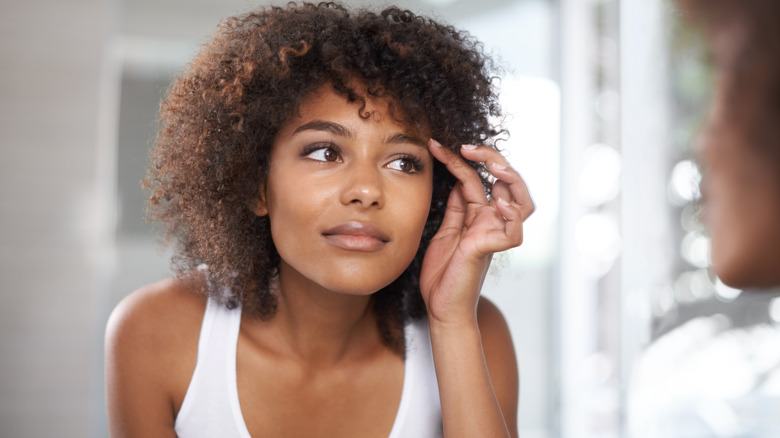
(211, 408)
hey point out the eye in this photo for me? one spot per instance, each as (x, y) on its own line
(322, 152)
(406, 164)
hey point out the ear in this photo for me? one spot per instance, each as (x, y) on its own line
(259, 208)
(259, 205)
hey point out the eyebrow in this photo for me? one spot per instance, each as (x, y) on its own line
(401, 138)
(343, 131)
(321, 125)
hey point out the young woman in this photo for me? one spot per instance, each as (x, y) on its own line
(323, 176)
(739, 148)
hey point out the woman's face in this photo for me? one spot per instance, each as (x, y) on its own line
(347, 197)
(741, 194)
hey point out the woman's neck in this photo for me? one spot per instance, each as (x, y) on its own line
(319, 326)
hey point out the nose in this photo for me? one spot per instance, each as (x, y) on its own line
(363, 186)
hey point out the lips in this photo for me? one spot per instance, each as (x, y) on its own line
(356, 236)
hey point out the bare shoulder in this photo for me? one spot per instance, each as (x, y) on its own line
(492, 323)
(170, 305)
(500, 358)
(496, 338)
(151, 350)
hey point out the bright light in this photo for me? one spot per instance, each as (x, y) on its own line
(774, 309)
(695, 249)
(532, 108)
(600, 177)
(684, 183)
(726, 293)
(597, 239)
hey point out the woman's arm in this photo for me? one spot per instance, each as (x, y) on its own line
(477, 373)
(473, 354)
(150, 354)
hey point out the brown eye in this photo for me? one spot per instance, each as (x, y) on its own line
(406, 165)
(323, 153)
(329, 154)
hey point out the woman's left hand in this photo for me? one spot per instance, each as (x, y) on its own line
(473, 228)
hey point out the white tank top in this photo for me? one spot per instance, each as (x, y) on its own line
(211, 408)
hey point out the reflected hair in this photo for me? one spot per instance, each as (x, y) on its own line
(744, 38)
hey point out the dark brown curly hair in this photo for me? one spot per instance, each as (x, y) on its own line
(744, 38)
(220, 117)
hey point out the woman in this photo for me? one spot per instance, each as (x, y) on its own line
(330, 250)
(739, 148)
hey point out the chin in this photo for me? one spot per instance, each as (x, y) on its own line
(731, 278)
(359, 289)
(744, 273)
(351, 283)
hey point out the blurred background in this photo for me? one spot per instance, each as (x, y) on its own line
(621, 328)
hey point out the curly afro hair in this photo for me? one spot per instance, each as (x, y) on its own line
(219, 120)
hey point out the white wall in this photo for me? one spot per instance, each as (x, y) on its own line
(51, 55)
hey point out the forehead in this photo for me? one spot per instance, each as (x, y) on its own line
(327, 103)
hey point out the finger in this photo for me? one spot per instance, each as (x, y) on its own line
(484, 154)
(455, 214)
(500, 168)
(500, 190)
(472, 188)
(514, 217)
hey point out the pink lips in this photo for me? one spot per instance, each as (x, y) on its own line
(356, 236)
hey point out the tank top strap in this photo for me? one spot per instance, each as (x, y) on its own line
(419, 413)
(211, 407)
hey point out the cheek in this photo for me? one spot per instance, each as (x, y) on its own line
(417, 196)
(415, 209)
(289, 208)
(743, 215)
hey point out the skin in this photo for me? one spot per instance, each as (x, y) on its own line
(741, 188)
(331, 169)
(320, 357)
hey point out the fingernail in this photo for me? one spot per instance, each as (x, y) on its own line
(470, 147)
(434, 143)
(503, 202)
(498, 166)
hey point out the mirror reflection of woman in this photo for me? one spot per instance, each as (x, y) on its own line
(331, 182)
(739, 147)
